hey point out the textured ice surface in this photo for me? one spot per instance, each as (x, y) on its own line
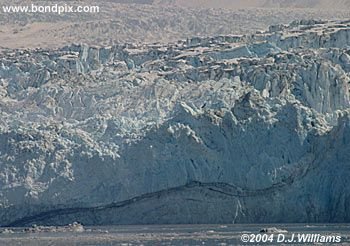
(251, 128)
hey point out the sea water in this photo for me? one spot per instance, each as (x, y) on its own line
(247, 234)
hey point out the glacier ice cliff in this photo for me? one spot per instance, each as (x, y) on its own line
(251, 128)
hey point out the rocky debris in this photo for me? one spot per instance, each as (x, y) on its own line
(266, 114)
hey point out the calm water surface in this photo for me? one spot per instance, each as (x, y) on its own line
(172, 235)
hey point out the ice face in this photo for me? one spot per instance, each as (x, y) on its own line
(250, 128)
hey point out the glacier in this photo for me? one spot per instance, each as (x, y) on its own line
(240, 128)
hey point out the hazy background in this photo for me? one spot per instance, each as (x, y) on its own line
(234, 4)
(148, 21)
(227, 4)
